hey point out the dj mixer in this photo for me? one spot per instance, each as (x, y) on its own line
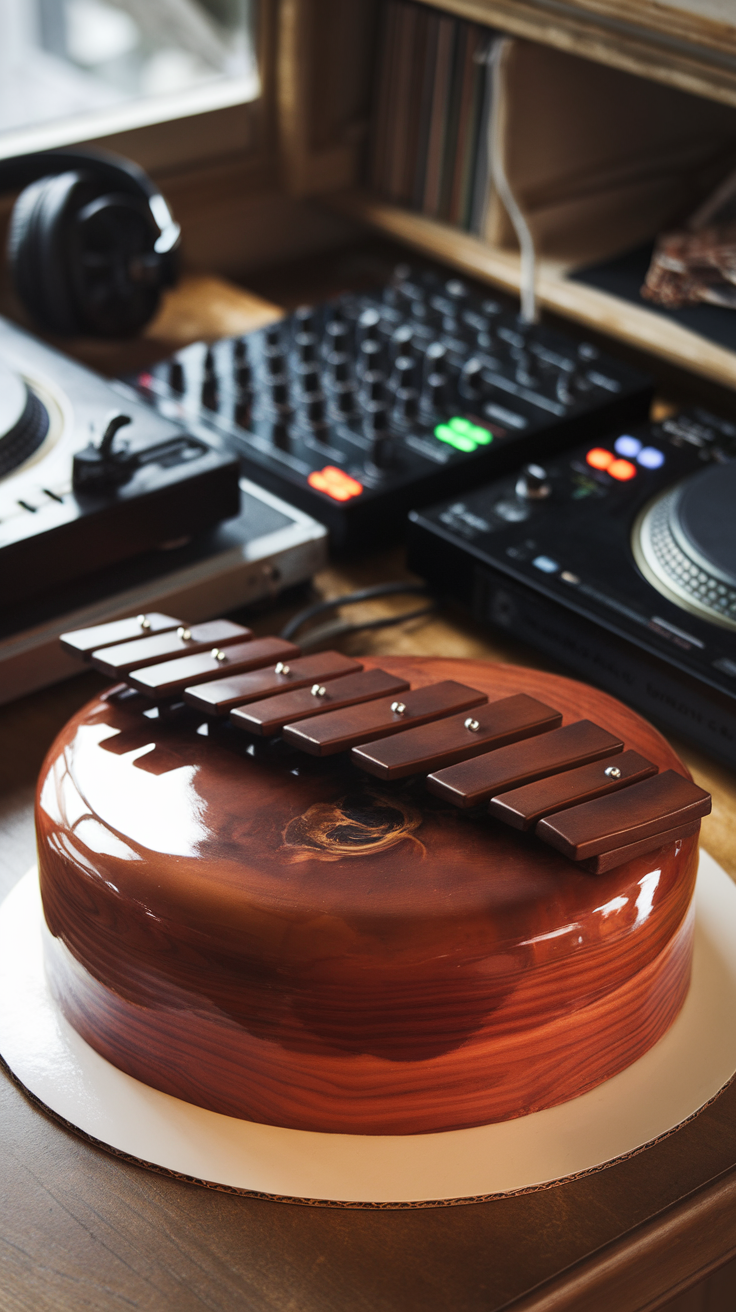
(362, 408)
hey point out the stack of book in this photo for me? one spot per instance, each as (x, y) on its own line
(431, 121)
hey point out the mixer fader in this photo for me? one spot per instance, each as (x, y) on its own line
(364, 407)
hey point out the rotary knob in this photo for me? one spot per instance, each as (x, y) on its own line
(375, 427)
(370, 356)
(210, 394)
(470, 383)
(306, 345)
(368, 325)
(533, 485)
(305, 319)
(177, 382)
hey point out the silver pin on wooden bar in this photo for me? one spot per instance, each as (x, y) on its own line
(184, 634)
(318, 690)
(218, 655)
(281, 668)
(144, 621)
(398, 708)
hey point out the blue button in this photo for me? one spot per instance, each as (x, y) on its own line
(546, 564)
(627, 446)
(650, 458)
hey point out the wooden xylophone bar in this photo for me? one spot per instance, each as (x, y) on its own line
(574, 785)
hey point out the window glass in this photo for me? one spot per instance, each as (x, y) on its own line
(66, 62)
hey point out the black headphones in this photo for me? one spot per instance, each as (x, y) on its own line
(92, 242)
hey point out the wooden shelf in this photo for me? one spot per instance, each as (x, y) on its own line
(653, 38)
(639, 327)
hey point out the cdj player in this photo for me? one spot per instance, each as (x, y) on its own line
(618, 559)
(365, 407)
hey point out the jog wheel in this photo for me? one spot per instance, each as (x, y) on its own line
(24, 421)
(685, 544)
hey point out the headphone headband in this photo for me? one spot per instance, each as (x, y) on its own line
(121, 174)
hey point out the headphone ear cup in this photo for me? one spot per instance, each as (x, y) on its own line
(40, 253)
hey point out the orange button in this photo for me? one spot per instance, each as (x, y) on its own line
(599, 458)
(337, 484)
(623, 470)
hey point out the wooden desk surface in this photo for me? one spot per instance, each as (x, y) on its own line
(80, 1229)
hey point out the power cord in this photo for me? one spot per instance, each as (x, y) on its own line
(339, 628)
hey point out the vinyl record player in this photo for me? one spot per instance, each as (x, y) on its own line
(618, 559)
(88, 479)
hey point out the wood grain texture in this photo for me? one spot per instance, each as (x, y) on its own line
(348, 957)
(605, 861)
(522, 807)
(336, 731)
(221, 695)
(169, 677)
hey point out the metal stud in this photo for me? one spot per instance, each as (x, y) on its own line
(612, 771)
(318, 690)
(282, 668)
(217, 654)
(144, 621)
(472, 725)
(184, 634)
(398, 708)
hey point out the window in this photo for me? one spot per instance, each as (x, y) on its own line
(73, 70)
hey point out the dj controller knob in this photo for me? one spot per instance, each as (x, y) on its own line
(210, 394)
(338, 367)
(370, 356)
(240, 350)
(274, 357)
(368, 325)
(243, 377)
(375, 427)
(470, 382)
(533, 483)
(456, 291)
(374, 385)
(343, 399)
(273, 334)
(309, 380)
(404, 372)
(434, 396)
(563, 386)
(177, 382)
(434, 358)
(279, 391)
(336, 336)
(524, 367)
(402, 341)
(315, 410)
(243, 410)
(280, 433)
(305, 319)
(306, 345)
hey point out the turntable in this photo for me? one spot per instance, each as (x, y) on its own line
(619, 560)
(87, 480)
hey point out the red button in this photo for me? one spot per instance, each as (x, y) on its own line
(599, 458)
(623, 470)
(335, 483)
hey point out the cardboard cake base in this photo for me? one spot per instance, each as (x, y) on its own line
(670, 1084)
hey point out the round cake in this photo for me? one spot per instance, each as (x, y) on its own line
(287, 940)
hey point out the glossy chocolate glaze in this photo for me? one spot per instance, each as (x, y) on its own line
(287, 940)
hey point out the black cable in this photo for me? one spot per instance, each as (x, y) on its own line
(365, 594)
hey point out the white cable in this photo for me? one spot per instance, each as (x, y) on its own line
(527, 289)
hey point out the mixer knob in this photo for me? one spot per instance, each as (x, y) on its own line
(305, 319)
(336, 336)
(343, 399)
(434, 358)
(306, 345)
(532, 484)
(375, 426)
(456, 291)
(370, 356)
(406, 405)
(524, 373)
(280, 433)
(404, 372)
(563, 387)
(177, 382)
(279, 388)
(368, 325)
(402, 341)
(274, 357)
(210, 388)
(309, 378)
(374, 385)
(243, 376)
(273, 334)
(315, 409)
(434, 394)
(338, 365)
(243, 411)
(470, 384)
(240, 350)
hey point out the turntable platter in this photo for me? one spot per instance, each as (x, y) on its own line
(24, 421)
(685, 544)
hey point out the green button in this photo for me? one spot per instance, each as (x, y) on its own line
(481, 435)
(444, 433)
(462, 426)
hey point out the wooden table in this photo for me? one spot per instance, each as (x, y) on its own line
(80, 1229)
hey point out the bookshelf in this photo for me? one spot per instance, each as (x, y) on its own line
(325, 66)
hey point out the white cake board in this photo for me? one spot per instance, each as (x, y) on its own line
(671, 1083)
